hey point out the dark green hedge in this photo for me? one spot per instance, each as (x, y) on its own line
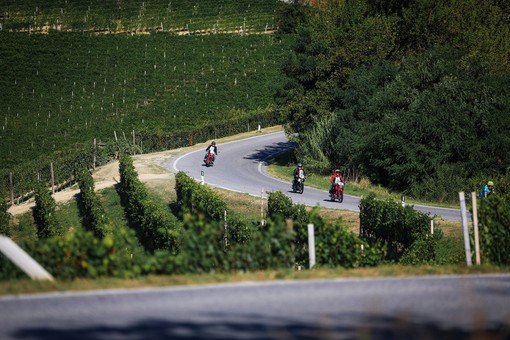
(494, 219)
(390, 224)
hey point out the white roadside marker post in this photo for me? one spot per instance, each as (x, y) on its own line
(22, 260)
(311, 245)
(467, 246)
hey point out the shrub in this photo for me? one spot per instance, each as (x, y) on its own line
(494, 219)
(4, 220)
(392, 225)
(155, 226)
(94, 215)
(423, 250)
(79, 254)
(45, 214)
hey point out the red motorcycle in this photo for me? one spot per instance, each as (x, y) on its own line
(209, 160)
(337, 193)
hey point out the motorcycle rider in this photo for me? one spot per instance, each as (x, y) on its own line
(297, 170)
(487, 190)
(335, 176)
(213, 149)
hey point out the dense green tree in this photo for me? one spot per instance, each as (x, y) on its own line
(481, 27)
(292, 15)
(339, 37)
(426, 124)
(412, 95)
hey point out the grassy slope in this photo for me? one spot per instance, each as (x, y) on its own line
(64, 89)
(60, 91)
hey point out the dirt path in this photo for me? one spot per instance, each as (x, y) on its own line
(150, 168)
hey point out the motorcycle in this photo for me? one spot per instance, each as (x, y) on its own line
(209, 160)
(298, 185)
(337, 193)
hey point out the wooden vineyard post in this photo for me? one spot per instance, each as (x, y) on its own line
(52, 179)
(11, 188)
(94, 160)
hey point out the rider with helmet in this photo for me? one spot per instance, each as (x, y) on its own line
(211, 149)
(487, 190)
(297, 172)
(335, 178)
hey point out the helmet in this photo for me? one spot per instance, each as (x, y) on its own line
(300, 165)
(213, 143)
(337, 170)
(490, 183)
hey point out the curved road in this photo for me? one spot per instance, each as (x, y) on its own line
(240, 166)
(456, 307)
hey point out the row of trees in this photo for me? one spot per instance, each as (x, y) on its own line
(413, 95)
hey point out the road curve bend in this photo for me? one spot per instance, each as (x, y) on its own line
(241, 167)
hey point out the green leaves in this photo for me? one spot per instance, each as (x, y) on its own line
(94, 215)
(45, 214)
(407, 94)
(388, 223)
(494, 219)
(156, 228)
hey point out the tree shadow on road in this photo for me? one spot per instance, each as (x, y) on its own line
(268, 152)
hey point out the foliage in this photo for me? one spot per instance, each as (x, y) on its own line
(484, 33)
(94, 215)
(4, 220)
(199, 200)
(424, 250)
(79, 254)
(494, 220)
(335, 245)
(390, 224)
(291, 16)
(156, 228)
(449, 250)
(202, 246)
(271, 246)
(432, 155)
(412, 95)
(45, 214)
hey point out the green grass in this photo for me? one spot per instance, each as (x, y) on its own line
(69, 215)
(27, 286)
(111, 203)
(23, 228)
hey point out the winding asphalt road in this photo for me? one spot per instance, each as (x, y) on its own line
(240, 166)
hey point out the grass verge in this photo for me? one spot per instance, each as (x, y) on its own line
(31, 287)
(282, 167)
